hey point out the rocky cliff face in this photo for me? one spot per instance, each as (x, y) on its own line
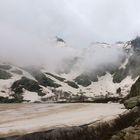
(133, 98)
(135, 89)
(134, 69)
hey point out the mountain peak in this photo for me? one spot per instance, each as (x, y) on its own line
(58, 39)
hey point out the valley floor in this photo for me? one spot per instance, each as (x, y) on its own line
(19, 119)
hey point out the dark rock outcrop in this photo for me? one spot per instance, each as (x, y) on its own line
(136, 44)
(58, 39)
(119, 75)
(56, 77)
(133, 98)
(17, 99)
(72, 84)
(130, 133)
(5, 67)
(135, 89)
(83, 80)
(5, 75)
(27, 84)
(42, 78)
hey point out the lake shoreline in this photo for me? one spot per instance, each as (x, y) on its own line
(99, 130)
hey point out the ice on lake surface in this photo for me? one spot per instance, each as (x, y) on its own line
(18, 119)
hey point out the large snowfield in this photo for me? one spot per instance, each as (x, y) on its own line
(19, 119)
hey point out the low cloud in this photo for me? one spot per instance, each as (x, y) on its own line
(28, 26)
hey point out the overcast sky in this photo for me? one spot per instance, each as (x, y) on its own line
(78, 22)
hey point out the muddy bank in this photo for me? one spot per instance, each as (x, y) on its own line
(96, 131)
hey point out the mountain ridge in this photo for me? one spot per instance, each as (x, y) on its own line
(72, 82)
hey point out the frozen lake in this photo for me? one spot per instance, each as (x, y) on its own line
(19, 119)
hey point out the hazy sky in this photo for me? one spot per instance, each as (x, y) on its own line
(79, 22)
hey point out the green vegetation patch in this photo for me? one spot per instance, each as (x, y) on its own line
(132, 102)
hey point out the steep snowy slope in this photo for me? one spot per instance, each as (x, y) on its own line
(91, 73)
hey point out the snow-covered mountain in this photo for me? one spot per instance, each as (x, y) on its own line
(100, 71)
